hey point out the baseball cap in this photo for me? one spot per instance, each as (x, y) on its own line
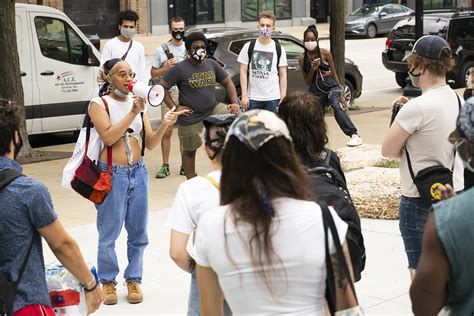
(430, 46)
(254, 128)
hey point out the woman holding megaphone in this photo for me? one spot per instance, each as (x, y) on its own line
(122, 122)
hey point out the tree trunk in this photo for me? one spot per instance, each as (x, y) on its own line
(337, 36)
(12, 88)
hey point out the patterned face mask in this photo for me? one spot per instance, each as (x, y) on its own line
(265, 32)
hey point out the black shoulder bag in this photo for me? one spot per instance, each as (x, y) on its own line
(429, 179)
(8, 290)
(332, 298)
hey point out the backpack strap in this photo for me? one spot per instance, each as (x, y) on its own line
(213, 182)
(144, 135)
(278, 50)
(166, 50)
(7, 176)
(250, 51)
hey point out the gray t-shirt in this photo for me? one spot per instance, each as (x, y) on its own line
(196, 87)
(26, 206)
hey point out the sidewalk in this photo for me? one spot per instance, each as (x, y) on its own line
(382, 290)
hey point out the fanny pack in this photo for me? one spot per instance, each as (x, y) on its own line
(324, 84)
(429, 179)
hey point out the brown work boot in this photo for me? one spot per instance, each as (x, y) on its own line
(110, 293)
(135, 294)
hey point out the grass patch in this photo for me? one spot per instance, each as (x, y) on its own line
(394, 164)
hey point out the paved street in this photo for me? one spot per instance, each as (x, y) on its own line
(385, 281)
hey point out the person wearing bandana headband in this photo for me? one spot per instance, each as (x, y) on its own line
(253, 247)
(196, 78)
(126, 128)
(445, 275)
(195, 197)
(421, 129)
(166, 56)
(26, 217)
(262, 80)
(125, 47)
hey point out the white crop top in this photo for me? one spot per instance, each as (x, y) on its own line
(118, 110)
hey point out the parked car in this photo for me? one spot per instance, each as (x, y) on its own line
(225, 45)
(371, 20)
(457, 28)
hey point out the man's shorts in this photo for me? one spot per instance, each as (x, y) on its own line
(190, 135)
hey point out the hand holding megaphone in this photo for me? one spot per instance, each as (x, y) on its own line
(154, 94)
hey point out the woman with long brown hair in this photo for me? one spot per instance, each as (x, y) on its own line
(264, 247)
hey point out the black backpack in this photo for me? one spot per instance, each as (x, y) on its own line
(330, 187)
(8, 290)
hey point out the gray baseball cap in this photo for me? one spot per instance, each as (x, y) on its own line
(430, 46)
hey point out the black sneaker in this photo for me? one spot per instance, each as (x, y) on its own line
(181, 171)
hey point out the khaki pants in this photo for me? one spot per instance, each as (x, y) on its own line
(190, 135)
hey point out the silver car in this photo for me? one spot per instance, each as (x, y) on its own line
(371, 20)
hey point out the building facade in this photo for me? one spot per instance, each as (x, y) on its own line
(242, 13)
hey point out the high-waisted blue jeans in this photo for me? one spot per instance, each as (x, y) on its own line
(127, 203)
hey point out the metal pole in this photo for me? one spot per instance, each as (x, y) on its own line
(419, 19)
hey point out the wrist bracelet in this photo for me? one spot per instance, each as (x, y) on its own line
(91, 289)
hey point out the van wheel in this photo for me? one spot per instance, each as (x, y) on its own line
(371, 31)
(464, 73)
(401, 77)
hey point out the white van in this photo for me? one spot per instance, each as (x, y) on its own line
(59, 68)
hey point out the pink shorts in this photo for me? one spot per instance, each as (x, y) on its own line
(35, 310)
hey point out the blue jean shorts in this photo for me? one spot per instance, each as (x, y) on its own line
(413, 216)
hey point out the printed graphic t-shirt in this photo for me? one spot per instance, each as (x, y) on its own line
(264, 82)
(196, 87)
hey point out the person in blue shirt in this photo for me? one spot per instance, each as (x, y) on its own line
(27, 216)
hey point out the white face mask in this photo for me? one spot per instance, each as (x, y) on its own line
(127, 32)
(310, 45)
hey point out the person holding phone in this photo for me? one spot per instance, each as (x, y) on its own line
(319, 72)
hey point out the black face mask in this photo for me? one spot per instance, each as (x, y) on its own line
(179, 35)
(17, 146)
(468, 94)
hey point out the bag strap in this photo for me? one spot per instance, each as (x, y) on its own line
(328, 222)
(128, 49)
(25, 261)
(410, 168)
(7, 176)
(144, 135)
(88, 135)
(213, 182)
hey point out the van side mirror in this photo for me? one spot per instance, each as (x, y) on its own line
(91, 59)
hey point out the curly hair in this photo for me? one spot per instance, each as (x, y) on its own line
(302, 113)
(128, 15)
(9, 124)
(437, 67)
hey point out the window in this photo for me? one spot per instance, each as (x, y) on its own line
(293, 50)
(397, 9)
(60, 43)
(438, 4)
(462, 30)
(236, 46)
(251, 9)
(209, 11)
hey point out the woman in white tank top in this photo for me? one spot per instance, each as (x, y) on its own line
(124, 128)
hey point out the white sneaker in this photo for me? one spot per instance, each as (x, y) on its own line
(356, 140)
